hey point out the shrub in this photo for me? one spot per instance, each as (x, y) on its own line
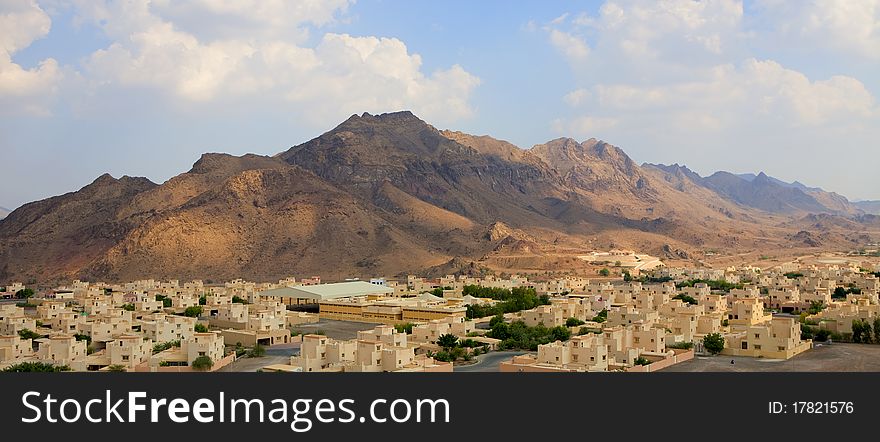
(681, 345)
(35, 367)
(713, 343)
(28, 334)
(573, 322)
(404, 328)
(258, 351)
(202, 363)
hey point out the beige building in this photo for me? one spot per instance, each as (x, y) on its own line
(779, 339)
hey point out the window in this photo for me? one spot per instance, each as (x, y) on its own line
(745, 345)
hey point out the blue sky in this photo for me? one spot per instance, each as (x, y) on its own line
(143, 88)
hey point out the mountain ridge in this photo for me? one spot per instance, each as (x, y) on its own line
(390, 194)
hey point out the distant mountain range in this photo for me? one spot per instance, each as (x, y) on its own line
(3, 212)
(767, 193)
(389, 194)
(871, 207)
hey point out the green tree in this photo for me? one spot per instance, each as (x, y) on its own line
(713, 343)
(116, 368)
(258, 351)
(686, 298)
(447, 341)
(627, 277)
(641, 361)
(193, 312)
(24, 293)
(166, 301)
(857, 330)
(559, 333)
(129, 307)
(822, 335)
(28, 334)
(200, 328)
(203, 300)
(202, 363)
(806, 332)
(237, 300)
(83, 337)
(404, 328)
(604, 272)
(816, 307)
(602, 316)
(573, 322)
(877, 330)
(35, 367)
(497, 319)
(839, 293)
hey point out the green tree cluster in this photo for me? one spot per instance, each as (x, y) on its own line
(404, 328)
(713, 343)
(511, 300)
(686, 298)
(573, 322)
(518, 336)
(714, 284)
(35, 367)
(193, 312)
(166, 301)
(24, 293)
(202, 363)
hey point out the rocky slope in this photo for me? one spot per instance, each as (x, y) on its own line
(388, 194)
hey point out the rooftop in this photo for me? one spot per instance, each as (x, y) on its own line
(329, 291)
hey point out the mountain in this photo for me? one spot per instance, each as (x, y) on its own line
(833, 202)
(766, 193)
(870, 207)
(65, 233)
(390, 194)
(3, 212)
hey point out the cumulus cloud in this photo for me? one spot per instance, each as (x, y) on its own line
(24, 90)
(677, 59)
(254, 53)
(680, 80)
(572, 46)
(849, 26)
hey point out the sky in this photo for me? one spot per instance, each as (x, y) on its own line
(143, 88)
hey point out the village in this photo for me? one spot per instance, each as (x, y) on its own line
(624, 318)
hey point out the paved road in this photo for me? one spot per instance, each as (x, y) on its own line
(836, 357)
(276, 354)
(488, 362)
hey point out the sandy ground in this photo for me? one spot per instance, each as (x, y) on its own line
(823, 358)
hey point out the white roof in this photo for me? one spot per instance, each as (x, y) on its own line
(329, 291)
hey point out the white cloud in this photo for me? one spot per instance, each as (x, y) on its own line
(681, 80)
(577, 97)
(849, 26)
(253, 52)
(647, 69)
(22, 90)
(584, 126)
(573, 47)
(666, 28)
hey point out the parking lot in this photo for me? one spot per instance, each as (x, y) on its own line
(828, 358)
(340, 330)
